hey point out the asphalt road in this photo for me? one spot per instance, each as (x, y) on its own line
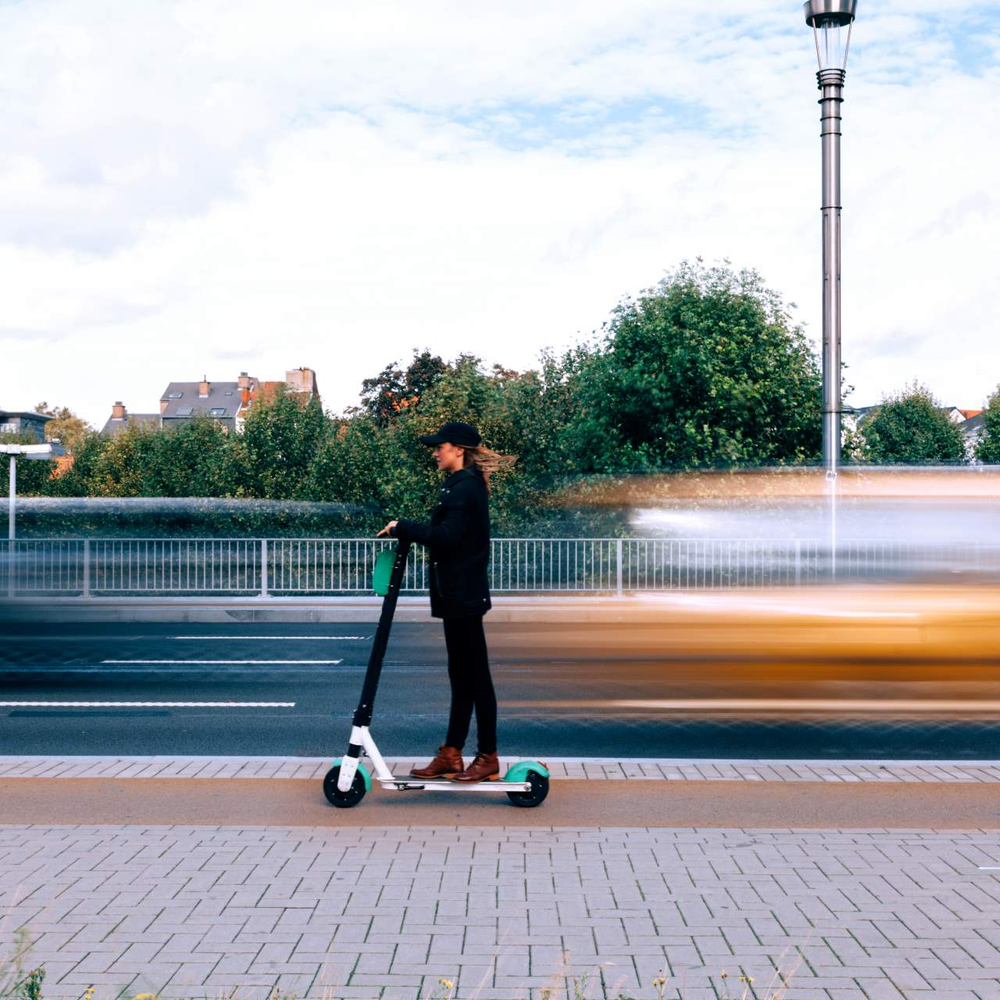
(581, 690)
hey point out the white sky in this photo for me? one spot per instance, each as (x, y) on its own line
(210, 186)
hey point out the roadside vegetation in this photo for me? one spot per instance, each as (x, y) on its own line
(707, 370)
(29, 987)
(911, 428)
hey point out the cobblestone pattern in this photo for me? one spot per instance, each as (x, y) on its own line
(643, 769)
(370, 912)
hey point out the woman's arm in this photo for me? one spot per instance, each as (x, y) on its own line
(447, 534)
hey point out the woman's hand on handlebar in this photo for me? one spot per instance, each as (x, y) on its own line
(387, 530)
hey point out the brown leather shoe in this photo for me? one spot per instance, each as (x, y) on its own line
(448, 762)
(485, 766)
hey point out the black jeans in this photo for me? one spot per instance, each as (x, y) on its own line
(471, 684)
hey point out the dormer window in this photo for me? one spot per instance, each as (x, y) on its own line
(174, 395)
(218, 411)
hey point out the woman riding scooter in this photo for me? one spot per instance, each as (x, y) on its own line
(458, 537)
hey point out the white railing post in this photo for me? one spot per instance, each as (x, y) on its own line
(263, 567)
(618, 564)
(798, 562)
(86, 567)
(12, 499)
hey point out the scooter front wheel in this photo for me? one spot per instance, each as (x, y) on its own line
(536, 796)
(343, 800)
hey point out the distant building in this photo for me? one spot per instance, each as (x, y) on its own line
(30, 427)
(182, 401)
(120, 419)
(228, 403)
(26, 424)
(959, 416)
(299, 382)
(972, 430)
(302, 382)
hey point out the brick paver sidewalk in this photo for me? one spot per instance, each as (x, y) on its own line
(366, 912)
(644, 769)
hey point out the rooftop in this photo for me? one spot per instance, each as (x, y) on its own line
(184, 400)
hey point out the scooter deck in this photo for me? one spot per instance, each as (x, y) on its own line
(443, 780)
(422, 784)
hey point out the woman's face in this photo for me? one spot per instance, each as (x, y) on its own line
(449, 457)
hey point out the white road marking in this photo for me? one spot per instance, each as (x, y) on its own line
(147, 704)
(230, 662)
(325, 638)
(988, 868)
(138, 638)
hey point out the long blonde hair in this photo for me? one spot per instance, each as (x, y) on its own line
(486, 461)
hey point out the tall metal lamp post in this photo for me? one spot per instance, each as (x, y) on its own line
(831, 22)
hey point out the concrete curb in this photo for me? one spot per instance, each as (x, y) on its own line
(569, 610)
(651, 608)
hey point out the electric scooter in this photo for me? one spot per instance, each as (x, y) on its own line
(526, 783)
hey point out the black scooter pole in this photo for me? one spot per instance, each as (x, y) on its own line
(363, 713)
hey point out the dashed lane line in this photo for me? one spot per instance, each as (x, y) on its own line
(147, 704)
(145, 636)
(223, 662)
(269, 638)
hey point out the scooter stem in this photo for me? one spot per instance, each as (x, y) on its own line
(363, 713)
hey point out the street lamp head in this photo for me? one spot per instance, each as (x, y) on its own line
(37, 451)
(838, 11)
(831, 22)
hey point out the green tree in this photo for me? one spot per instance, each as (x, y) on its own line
(34, 475)
(911, 428)
(65, 427)
(280, 440)
(393, 390)
(198, 459)
(79, 479)
(121, 467)
(383, 470)
(375, 471)
(707, 369)
(988, 448)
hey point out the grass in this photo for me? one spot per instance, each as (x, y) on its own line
(19, 981)
(16, 983)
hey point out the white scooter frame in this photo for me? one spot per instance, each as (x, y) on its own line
(526, 782)
(361, 736)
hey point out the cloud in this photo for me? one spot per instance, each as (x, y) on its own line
(190, 181)
(32, 335)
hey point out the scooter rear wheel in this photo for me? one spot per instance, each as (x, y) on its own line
(539, 789)
(343, 800)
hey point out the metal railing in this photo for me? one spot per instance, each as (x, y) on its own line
(330, 566)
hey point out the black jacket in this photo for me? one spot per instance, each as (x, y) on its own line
(458, 538)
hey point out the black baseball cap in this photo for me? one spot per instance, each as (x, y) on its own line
(454, 432)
